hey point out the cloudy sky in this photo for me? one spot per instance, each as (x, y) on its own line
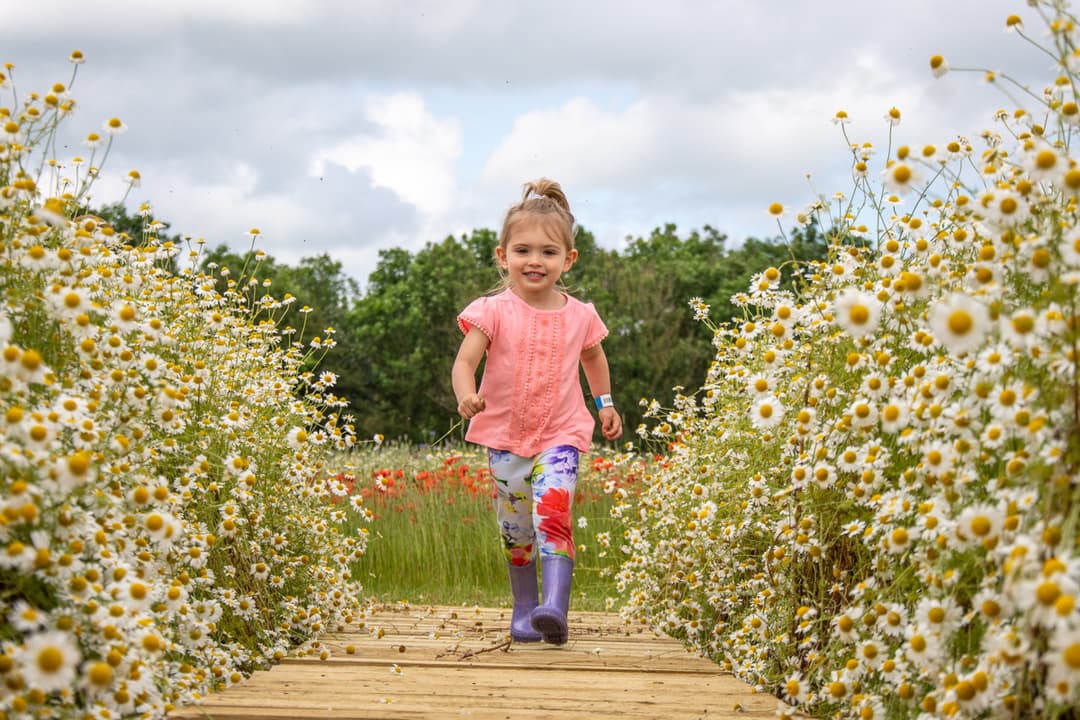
(347, 127)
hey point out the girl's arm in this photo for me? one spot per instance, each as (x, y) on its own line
(464, 373)
(594, 361)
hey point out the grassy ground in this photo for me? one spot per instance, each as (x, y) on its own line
(433, 537)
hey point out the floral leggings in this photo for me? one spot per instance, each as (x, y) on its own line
(534, 499)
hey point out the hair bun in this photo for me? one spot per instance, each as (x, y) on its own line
(546, 188)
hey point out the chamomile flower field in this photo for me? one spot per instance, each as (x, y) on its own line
(869, 508)
(160, 533)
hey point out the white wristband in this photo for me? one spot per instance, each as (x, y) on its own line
(604, 401)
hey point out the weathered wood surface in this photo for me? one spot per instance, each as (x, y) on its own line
(437, 662)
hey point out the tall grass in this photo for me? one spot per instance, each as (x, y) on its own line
(432, 533)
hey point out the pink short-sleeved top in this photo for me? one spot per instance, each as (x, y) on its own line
(531, 385)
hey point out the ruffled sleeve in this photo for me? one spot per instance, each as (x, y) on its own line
(597, 331)
(479, 314)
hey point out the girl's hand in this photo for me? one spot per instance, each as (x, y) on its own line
(470, 405)
(610, 423)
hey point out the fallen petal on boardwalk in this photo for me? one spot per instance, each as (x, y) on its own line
(444, 662)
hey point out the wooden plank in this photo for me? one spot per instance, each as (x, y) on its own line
(442, 662)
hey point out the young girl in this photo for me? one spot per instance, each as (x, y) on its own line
(530, 410)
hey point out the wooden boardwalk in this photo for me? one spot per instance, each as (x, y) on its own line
(433, 663)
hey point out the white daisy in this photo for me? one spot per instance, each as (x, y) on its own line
(900, 177)
(858, 313)
(1063, 658)
(48, 661)
(766, 412)
(1070, 248)
(960, 323)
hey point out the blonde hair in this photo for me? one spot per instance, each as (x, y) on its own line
(542, 201)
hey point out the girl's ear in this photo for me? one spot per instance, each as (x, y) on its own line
(500, 255)
(570, 258)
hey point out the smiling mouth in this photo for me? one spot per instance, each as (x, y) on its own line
(534, 275)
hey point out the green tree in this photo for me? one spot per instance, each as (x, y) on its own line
(405, 333)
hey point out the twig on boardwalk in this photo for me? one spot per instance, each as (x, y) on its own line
(504, 646)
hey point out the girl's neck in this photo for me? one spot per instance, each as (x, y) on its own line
(551, 300)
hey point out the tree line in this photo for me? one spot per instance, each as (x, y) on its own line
(396, 339)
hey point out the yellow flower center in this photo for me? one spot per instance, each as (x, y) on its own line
(1047, 593)
(980, 525)
(50, 660)
(1071, 656)
(99, 674)
(960, 322)
(911, 281)
(1046, 159)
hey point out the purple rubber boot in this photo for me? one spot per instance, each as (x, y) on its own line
(523, 588)
(550, 618)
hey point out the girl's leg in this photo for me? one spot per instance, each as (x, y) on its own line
(511, 475)
(554, 482)
(513, 508)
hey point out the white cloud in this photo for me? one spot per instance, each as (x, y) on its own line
(675, 157)
(421, 120)
(73, 14)
(411, 152)
(576, 140)
(226, 208)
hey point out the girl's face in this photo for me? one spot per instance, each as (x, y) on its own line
(534, 262)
